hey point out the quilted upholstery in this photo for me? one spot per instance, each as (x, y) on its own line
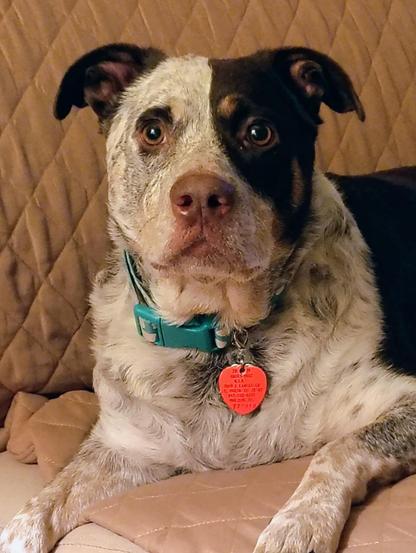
(225, 512)
(52, 194)
(52, 199)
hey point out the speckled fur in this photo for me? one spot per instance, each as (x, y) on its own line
(160, 408)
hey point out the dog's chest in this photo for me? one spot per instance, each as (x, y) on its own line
(214, 436)
(169, 403)
(173, 408)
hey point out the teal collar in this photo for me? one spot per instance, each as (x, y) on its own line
(203, 332)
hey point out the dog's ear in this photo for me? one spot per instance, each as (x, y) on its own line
(98, 77)
(316, 78)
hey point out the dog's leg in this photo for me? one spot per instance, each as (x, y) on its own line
(313, 518)
(96, 472)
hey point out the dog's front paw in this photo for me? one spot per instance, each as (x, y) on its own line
(302, 529)
(24, 534)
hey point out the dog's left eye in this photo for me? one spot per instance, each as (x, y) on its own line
(260, 134)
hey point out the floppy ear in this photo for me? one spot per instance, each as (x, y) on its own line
(316, 78)
(97, 78)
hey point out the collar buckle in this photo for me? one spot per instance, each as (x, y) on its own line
(200, 333)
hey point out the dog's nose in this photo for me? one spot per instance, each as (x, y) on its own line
(201, 195)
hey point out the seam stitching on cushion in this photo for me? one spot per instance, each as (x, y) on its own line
(204, 523)
(60, 424)
(73, 400)
(93, 546)
(157, 496)
(49, 460)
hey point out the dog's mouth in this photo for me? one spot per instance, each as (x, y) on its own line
(195, 250)
(208, 256)
(198, 243)
(198, 248)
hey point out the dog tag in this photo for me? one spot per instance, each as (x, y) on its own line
(242, 387)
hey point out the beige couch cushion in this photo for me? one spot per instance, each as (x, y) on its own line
(20, 482)
(49, 432)
(52, 191)
(226, 511)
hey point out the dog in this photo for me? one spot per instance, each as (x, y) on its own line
(274, 304)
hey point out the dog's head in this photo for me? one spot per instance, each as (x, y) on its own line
(210, 165)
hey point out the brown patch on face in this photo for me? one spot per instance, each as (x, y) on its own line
(263, 98)
(228, 105)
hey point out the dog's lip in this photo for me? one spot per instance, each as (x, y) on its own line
(200, 247)
(201, 253)
(204, 248)
(239, 274)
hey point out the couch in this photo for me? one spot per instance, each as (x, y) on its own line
(53, 212)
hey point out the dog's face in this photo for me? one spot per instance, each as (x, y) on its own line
(210, 162)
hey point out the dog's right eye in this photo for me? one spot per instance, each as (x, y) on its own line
(152, 134)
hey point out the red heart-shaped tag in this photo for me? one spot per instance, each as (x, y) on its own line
(242, 387)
